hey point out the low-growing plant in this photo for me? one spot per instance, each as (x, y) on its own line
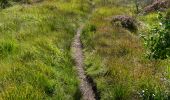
(7, 48)
(157, 41)
(157, 5)
(126, 22)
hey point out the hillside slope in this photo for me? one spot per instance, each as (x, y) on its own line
(35, 60)
(115, 56)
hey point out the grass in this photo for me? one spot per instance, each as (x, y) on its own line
(114, 58)
(35, 59)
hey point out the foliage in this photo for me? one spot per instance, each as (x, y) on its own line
(157, 5)
(126, 22)
(4, 3)
(158, 40)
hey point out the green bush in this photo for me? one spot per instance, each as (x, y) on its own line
(157, 41)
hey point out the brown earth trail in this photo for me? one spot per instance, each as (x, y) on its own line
(85, 86)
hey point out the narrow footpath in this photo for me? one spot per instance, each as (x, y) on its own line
(85, 87)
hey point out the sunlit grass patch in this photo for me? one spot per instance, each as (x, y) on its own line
(35, 50)
(149, 19)
(114, 58)
(110, 11)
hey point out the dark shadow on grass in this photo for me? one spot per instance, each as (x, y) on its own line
(77, 95)
(94, 87)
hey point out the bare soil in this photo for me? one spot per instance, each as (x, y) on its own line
(85, 86)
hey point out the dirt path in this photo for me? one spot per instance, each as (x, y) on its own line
(85, 86)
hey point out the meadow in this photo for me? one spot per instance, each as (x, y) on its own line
(35, 59)
(36, 62)
(116, 57)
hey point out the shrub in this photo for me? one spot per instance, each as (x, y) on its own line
(125, 21)
(157, 5)
(157, 41)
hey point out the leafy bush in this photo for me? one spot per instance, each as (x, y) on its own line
(157, 5)
(125, 21)
(157, 41)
